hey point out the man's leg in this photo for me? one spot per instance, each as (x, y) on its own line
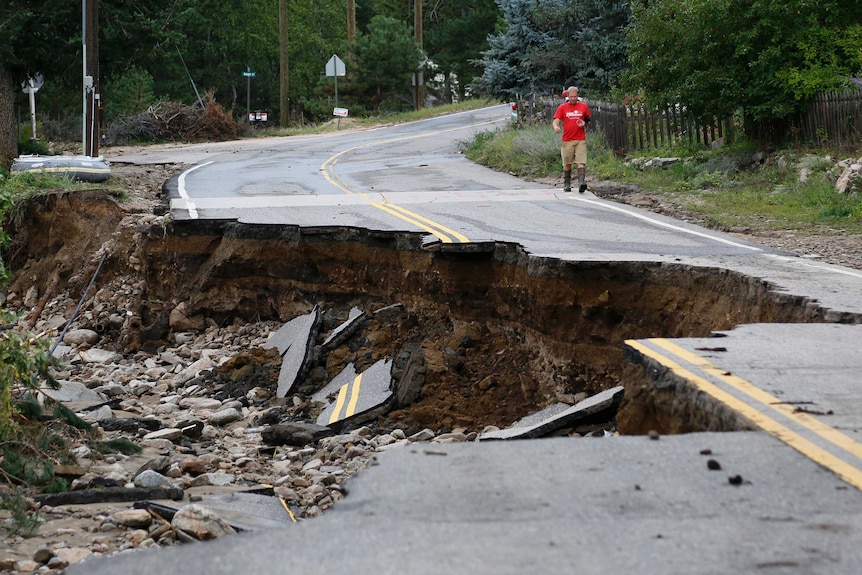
(582, 177)
(567, 178)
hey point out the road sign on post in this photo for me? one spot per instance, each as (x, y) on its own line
(248, 75)
(31, 86)
(335, 68)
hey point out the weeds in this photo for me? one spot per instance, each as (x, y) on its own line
(732, 186)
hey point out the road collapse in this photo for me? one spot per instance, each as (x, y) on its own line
(239, 358)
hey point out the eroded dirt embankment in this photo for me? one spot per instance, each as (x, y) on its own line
(501, 333)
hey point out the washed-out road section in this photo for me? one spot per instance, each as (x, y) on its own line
(782, 498)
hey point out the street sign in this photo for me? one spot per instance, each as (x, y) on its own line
(248, 73)
(335, 67)
(32, 83)
(340, 112)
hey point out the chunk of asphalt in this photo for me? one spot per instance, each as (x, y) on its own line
(345, 330)
(366, 395)
(74, 392)
(558, 416)
(243, 511)
(347, 375)
(294, 342)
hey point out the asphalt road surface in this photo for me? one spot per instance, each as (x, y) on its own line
(787, 497)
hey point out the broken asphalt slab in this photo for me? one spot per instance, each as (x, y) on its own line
(358, 396)
(294, 342)
(559, 416)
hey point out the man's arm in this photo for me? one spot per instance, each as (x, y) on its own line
(556, 125)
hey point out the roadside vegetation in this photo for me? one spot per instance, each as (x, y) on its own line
(737, 187)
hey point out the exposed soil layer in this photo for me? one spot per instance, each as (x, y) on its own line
(501, 333)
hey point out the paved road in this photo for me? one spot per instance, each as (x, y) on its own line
(609, 505)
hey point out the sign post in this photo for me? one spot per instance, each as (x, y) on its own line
(248, 75)
(335, 68)
(31, 86)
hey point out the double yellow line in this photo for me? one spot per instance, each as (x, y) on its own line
(444, 234)
(761, 408)
(345, 404)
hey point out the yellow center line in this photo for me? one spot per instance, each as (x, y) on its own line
(827, 432)
(354, 397)
(342, 395)
(443, 233)
(844, 470)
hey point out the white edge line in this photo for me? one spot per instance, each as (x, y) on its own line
(671, 226)
(184, 195)
(817, 265)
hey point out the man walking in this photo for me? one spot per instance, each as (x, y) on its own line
(570, 118)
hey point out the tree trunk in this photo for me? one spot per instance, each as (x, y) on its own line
(8, 133)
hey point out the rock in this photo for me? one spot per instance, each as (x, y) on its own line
(136, 518)
(182, 320)
(42, 555)
(225, 416)
(150, 479)
(424, 435)
(296, 433)
(217, 479)
(170, 434)
(96, 355)
(79, 337)
(201, 523)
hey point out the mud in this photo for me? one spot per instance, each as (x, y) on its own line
(500, 333)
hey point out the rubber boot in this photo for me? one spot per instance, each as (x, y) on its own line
(582, 179)
(567, 180)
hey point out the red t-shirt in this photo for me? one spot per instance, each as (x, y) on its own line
(569, 113)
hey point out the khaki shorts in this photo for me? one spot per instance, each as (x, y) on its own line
(574, 152)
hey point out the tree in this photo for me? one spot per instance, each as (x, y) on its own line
(506, 63)
(546, 46)
(588, 49)
(386, 57)
(455, 37)
(764, 57)
(39, 36)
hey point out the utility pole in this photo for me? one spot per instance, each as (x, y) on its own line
(92, 98)
(417, 30)
(284, 69)
(351, 30)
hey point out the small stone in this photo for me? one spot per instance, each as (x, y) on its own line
(135, 518)
(706, 451)
(653, 434)
(735, 480)
(713, 465)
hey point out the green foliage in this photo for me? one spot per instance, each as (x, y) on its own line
(725, 186)
(763, 57)
(120, 445)
(33, 147)
(386, 57)
(456, 35)
(24, 359)
(546, 46)
(129, 93)
(24, 523)
(69, 417)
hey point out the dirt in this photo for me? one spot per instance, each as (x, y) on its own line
(497, 335)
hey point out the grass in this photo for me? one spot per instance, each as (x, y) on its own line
(725, 186)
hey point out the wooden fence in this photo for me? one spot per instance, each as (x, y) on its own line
(634, 127)
(833, 119)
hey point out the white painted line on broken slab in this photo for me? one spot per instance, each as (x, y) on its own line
(185, 202)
